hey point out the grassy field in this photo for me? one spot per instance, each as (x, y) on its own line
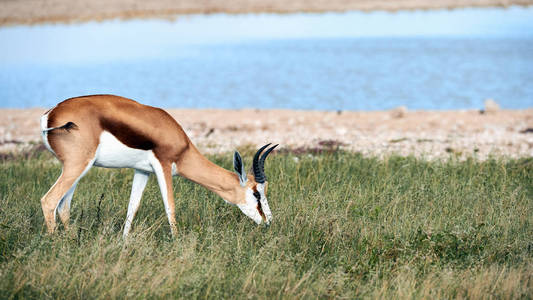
(344, 226)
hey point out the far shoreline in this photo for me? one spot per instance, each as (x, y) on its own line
(421, 133)
(27, 12)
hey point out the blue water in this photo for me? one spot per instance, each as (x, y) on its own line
(345, 67)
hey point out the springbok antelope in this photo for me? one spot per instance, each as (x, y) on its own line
(114, 132)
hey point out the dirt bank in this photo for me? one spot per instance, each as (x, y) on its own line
(50, 11)
(427, 134)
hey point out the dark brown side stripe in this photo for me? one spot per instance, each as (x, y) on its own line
(128, 136)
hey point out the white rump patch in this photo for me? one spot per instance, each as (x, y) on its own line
(44, 132)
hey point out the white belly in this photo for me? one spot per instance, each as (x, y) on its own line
(112, 153)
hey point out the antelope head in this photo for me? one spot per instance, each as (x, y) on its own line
(254, 204)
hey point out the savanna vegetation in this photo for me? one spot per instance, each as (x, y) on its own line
(344, 226)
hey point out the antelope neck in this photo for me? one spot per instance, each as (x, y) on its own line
(195, 167)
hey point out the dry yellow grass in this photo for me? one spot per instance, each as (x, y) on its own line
(345, 227)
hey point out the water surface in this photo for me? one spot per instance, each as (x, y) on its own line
(352, 61)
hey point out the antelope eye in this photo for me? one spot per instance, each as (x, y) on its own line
(257, 195)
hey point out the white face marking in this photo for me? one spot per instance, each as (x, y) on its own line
(264, 203)
(112, 153)
(250, 207)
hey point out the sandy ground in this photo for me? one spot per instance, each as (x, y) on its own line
(49, 11)
(427, 134)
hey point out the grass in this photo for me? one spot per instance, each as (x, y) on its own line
(344, 226)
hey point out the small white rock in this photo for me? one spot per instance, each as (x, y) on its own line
(399, 112)
(491, 106)
(341, 131)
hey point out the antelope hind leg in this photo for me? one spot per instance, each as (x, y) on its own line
(63, 208)
(69, 177)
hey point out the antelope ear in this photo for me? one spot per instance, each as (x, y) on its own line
(239, 168)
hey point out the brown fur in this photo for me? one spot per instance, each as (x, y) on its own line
(135, 125)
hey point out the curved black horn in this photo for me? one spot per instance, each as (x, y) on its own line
(259, 176)
(263, 158)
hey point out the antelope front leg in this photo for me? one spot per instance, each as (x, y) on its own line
(139, 183)
(163, 172)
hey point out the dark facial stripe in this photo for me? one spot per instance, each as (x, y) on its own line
(257, 196)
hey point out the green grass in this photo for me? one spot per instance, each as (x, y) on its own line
(344, 226)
